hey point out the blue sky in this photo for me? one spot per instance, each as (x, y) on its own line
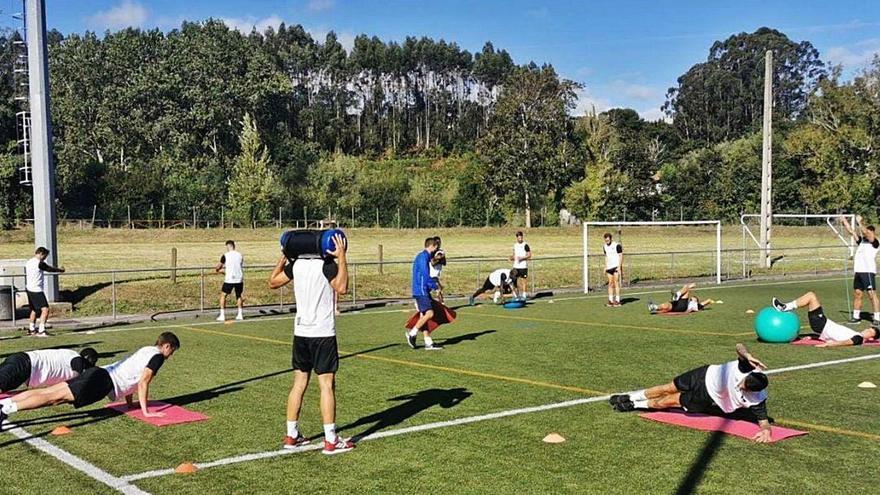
(625, 52)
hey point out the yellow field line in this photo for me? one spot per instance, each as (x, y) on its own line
(414, 364)
(828, 429)
(615, 325)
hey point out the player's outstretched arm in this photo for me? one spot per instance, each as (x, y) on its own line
(144, 394)
(744, 353)
(278, 278)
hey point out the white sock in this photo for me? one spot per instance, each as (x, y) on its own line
(857, 314)
(677, 296)
(413, 332)
(616, 298)
(9, 407)
(638, 395)
(222, 313)
(791, 306)
(611, 299)
(330, 432)
(31, 326)
(641, 404)
(239, 312)
(42, 328)
(292, 430)
(876, 316)
(428, 341)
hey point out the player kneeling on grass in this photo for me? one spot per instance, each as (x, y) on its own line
(502, 282)
(830, 333)
(44, 368)
(120, 379)
(738, 384)
(681, 302)
(315, 283)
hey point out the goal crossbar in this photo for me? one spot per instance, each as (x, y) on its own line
(587, 225)
(847, 241)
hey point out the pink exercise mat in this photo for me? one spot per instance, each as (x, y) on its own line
(812, 341)
(6, 395)
(173, 414)
(705, 422)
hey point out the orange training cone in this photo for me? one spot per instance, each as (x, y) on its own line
(61, 430)
(186, 468)
(554, 438)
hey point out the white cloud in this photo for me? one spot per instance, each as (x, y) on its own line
(587, 102)
(857, 55)
(320, 5)
(126, 14)
(345, 38)
(635, 91)
(247, 24)
(654, 114)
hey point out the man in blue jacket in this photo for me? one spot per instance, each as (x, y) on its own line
(422, 285)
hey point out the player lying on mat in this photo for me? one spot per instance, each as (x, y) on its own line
(830, 333)
(120, 379)
(738, 384)
(502, 282)
(682, 302)
(44, 368)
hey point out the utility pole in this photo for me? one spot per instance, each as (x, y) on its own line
(767, 161)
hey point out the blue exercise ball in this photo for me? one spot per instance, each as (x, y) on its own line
(776, 326)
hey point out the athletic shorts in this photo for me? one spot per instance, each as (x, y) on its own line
(423, 303)
(611, 271)
(90, 386)
(694, 394)
(37, 301)
(679, 306)
(15, 371)
(828, 330)
(522, 273)
(227, 288)
(864, 281)
(315, 353)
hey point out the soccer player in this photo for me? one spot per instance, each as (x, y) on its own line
(501, 281)
(422, 285)
(865, 268)
(315, 281)
(44, 368)
(34, 270)
(438, 261)
(232, 263)
(682, 302)
(830, 333)
(737, 384)
(522, 253)
(120, 379)
(613, 268)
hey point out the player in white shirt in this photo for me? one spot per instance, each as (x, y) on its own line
(724, 388)
(501, 281)
(683, 301)
(232, 265)
(438, 261)
(43, 368)
(830, 333)
(522, 253)
(316, 281)
(864, 268)
(120, 379)
(33, 271)
(613, 268)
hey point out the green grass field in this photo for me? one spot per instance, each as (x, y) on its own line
(557, 262)
(495, 360)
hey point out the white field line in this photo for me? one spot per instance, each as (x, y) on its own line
(445, 424)
(75, 462)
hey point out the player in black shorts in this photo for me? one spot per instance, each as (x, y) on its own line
(52, 366)
(682, 302)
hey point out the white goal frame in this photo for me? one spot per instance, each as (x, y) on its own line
(845, 238)
(587, 225)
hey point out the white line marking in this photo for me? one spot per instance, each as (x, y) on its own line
(119, 484)
(823, 363)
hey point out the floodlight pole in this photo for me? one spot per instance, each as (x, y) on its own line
(41, 138)
(767, 161)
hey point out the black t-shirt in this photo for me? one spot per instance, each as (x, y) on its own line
(155, 363)
(223, 259)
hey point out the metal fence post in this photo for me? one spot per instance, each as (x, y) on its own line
(202, 290)
(354, 287)
(113, 292)
(12, 293)
(281, 299)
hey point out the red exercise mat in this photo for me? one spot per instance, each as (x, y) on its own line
(812, 341)
(173, 414)
(705, 422)
(442, 315)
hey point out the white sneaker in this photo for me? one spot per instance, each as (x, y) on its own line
(239, 317)
(221, 318)
(41, 334)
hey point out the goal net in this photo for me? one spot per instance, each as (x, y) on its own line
(654, 251)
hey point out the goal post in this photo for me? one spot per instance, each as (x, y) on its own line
(844, 237)
(586, 241)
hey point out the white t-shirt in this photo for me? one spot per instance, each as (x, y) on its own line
(127, 373)
(51, 366)
(34, 275)
(612, 254)
(865, 259)
(434, 269)
(495, 277)
(693, 305)
(835, 332)
(233, 263)
(315, 308)
(520, 250)
(722, 382)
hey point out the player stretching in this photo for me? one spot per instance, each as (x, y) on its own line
(613, 268)
(682, 302)
(522, 253)
(315, 281)
(44, 368)
(33, 271)
(830, 333)
(865, 268)
(232, 264)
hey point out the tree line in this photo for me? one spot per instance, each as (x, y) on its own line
(208, 118)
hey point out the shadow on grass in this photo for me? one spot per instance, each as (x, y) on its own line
(56, 347)
(411, 405)
(698, 468)
(629, 300)
(79, 294)
(451, 341)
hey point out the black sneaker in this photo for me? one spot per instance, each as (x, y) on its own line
(3, 417)
(627, 406)
(410, 339)
(779, 305)
(617, 399)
